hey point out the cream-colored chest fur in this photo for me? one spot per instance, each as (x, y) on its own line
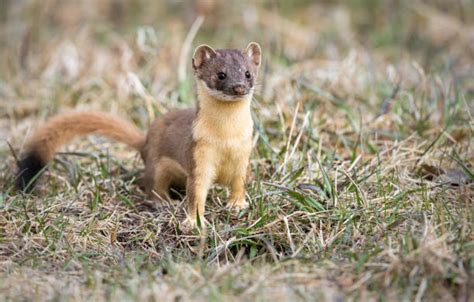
(223, 135)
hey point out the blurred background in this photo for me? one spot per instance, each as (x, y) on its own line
(64, 40)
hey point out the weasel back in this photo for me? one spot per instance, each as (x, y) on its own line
(60, 130)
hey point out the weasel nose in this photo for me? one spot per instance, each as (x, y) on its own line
(239, 89)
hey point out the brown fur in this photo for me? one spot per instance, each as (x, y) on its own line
(192, 148)
(63, 128)
(195, 149)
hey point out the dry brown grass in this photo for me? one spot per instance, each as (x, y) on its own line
(362, 174)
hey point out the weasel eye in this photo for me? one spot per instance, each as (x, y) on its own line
(221, 76)
(248, 75)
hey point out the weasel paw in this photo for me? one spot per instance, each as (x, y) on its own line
(238, 204)
(189, 224)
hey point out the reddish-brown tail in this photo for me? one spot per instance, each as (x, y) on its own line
(60, 130)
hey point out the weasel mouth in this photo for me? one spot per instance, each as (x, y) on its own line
(237, 94)
(230, 96)
(233, 95)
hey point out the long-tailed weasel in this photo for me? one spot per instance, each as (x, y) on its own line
(192, 148)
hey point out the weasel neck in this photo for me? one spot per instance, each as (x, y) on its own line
(223, 119)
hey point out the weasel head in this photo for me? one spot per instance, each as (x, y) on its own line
(227, 74)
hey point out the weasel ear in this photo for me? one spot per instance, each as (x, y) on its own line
(254, 51)
(201, 54)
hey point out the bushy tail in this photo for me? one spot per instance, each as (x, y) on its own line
(60, 130)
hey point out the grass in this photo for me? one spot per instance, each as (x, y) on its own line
(361, 181)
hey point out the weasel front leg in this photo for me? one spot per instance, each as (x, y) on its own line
(237, 197)
(197, 187)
